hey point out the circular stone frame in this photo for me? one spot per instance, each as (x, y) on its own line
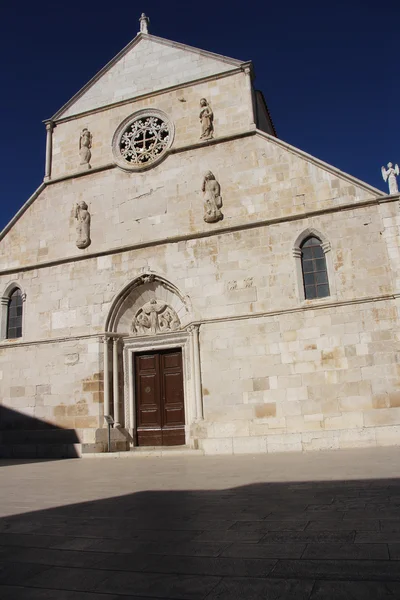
(120, 161)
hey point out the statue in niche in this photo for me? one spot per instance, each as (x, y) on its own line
(206, 120)
(155, 317)
(85, 143)
(212, 198)
(144, 23)
(390, 175)
(83, 227)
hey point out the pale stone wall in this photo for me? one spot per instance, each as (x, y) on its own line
(226, 275)
(58, 382)
(301, 371)
(329, 378)
(149, 66)
(229, 97)
(260, 180)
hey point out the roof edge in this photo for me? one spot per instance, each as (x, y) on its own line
(23, 208)
(320, 163)
(232, 61)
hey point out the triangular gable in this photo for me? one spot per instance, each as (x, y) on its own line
(148, 63)
(320, 164)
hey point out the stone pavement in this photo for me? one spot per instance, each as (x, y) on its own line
(284, 526)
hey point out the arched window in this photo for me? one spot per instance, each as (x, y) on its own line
(14, 315)
(313, 265)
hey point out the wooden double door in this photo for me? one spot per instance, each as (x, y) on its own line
(160, 408)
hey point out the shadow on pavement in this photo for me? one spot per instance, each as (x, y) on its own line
(317, 540)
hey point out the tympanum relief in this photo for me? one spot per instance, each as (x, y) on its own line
(212, 198)
(82, 215)
(155, 317)
(85, 143)
(206, 119)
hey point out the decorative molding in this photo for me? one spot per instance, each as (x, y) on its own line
(311, 232)
(135, 294)
(181, 340)
(311, 305)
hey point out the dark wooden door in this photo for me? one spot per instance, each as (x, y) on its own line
(160, 410)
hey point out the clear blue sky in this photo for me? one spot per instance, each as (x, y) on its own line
(329, 72)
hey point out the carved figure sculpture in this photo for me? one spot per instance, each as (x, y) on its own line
(155, 317)
(212, 198)
(83, 227)
(389, 175)
(144, 23)
(85, 143)
(206, 119)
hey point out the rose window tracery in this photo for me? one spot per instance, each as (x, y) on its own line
(142, 140)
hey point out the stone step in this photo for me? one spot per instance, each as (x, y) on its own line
(147, 451)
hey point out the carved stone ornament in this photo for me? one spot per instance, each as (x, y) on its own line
(206, 119)
(212, 198)
(146, 279)
(144, 23)
(390, 175)
(142, 140)
(155, 317)
(85, 143)
(83, 227)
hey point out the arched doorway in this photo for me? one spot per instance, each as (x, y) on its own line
(156, 389)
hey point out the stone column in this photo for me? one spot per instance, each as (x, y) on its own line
(194, 329)
(4, 300)
(106, 382)
(116, 383)
(249, 85)
(49, 150)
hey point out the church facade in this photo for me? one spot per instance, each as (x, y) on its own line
(188, 274)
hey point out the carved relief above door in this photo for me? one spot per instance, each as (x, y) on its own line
(155, 317)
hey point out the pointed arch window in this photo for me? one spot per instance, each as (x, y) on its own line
(314, 270)
(14, 315)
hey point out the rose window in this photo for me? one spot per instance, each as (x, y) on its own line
(142, 139)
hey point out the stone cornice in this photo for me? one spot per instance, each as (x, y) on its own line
(307, 306)
(202, 234)
(173, 150)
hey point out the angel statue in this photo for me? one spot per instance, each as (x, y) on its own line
(389, 175)
(206, 119)
(85, 143)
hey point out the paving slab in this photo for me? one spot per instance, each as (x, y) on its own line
(320, 525)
